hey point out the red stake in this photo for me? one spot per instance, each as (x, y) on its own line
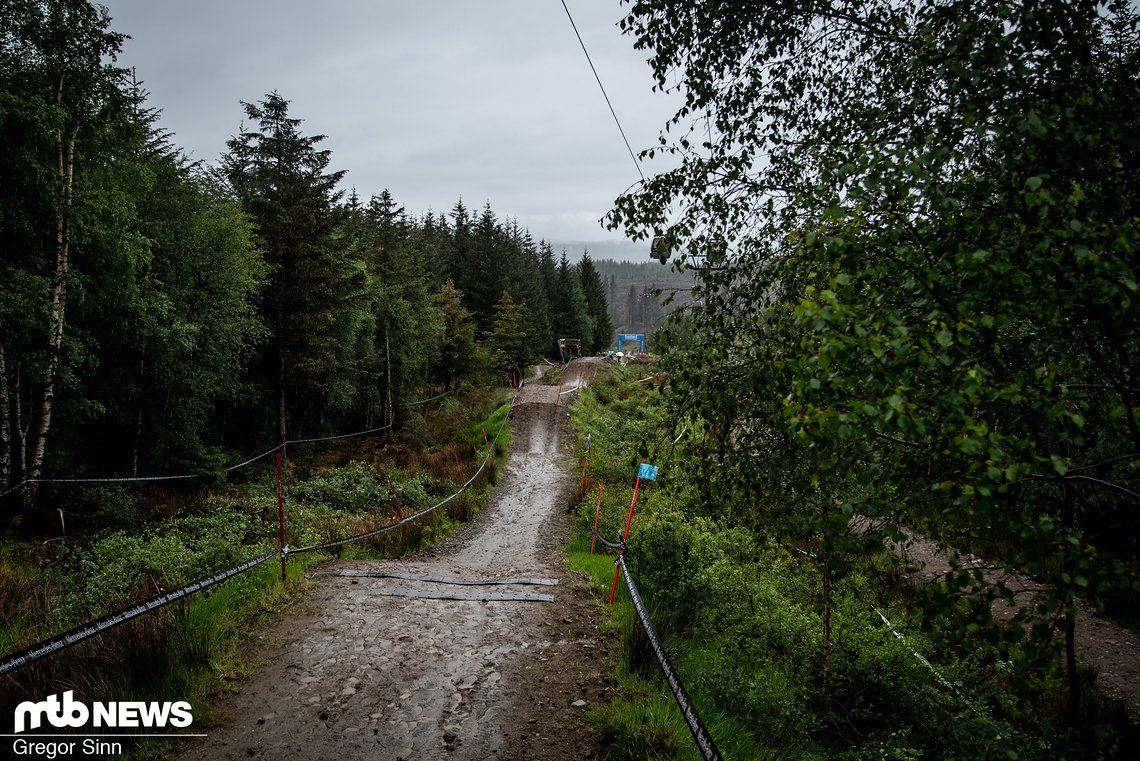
(281, 517)
(490, 454)
(625, 534)
(597, 514)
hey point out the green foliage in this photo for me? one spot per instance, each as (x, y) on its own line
(741, 619)
(122, 567)
(457, 352)
(595, 294)
(508, 344)
(570, 310)
(150, 309)
(281, 178)
(193, 649)
(922, 310)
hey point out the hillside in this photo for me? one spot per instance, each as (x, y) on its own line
(630, 287)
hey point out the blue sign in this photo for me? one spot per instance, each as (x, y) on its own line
(639, 337)
(647, 471)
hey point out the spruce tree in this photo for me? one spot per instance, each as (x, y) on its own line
(284, 184)
(508, 342)
(595, 292)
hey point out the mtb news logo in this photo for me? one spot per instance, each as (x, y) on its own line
(71, 713)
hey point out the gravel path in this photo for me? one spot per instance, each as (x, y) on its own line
(364, 674)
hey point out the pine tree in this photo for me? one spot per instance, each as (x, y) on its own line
(508, 342)
(458, 344)
(459, 243)
(283, 182)
(595, 293)
(527, 287)
(573, 318)
(484, 273)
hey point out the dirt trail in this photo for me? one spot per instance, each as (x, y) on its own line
(365, 675)
(1112, 649)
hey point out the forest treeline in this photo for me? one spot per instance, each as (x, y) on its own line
(641, 295)
(158, 315)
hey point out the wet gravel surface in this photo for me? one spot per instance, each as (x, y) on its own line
(366, 672)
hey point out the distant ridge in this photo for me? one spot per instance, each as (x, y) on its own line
(617, 250)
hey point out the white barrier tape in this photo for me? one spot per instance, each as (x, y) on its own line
(430, 399)
(922, 659)
(341, 436)
(194, 475)
(47, 647)
(421, 513)
(255, 459)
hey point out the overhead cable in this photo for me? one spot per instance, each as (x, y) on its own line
(617, 121)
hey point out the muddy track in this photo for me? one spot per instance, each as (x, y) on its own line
(364, 673)
(1113, 650)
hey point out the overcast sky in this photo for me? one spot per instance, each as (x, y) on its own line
(433, 99)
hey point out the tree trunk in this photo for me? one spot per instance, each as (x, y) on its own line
(65, 173)
(1074, 713)
(388, 365)
(19, 430)
(140, 396)
(5, 425)
(139, 414)
(825, 569)
(1068, 563)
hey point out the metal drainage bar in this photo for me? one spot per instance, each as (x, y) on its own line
(441, 580)
(474, 596)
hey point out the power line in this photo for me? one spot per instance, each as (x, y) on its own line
(603, 88)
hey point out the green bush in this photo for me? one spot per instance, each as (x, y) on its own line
(120, 567)
(356, 487)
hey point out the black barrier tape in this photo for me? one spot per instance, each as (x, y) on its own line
(421, 513)
(618, 545)
(43, 649)
(701, 735)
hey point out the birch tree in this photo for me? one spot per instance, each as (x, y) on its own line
(57, 68)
